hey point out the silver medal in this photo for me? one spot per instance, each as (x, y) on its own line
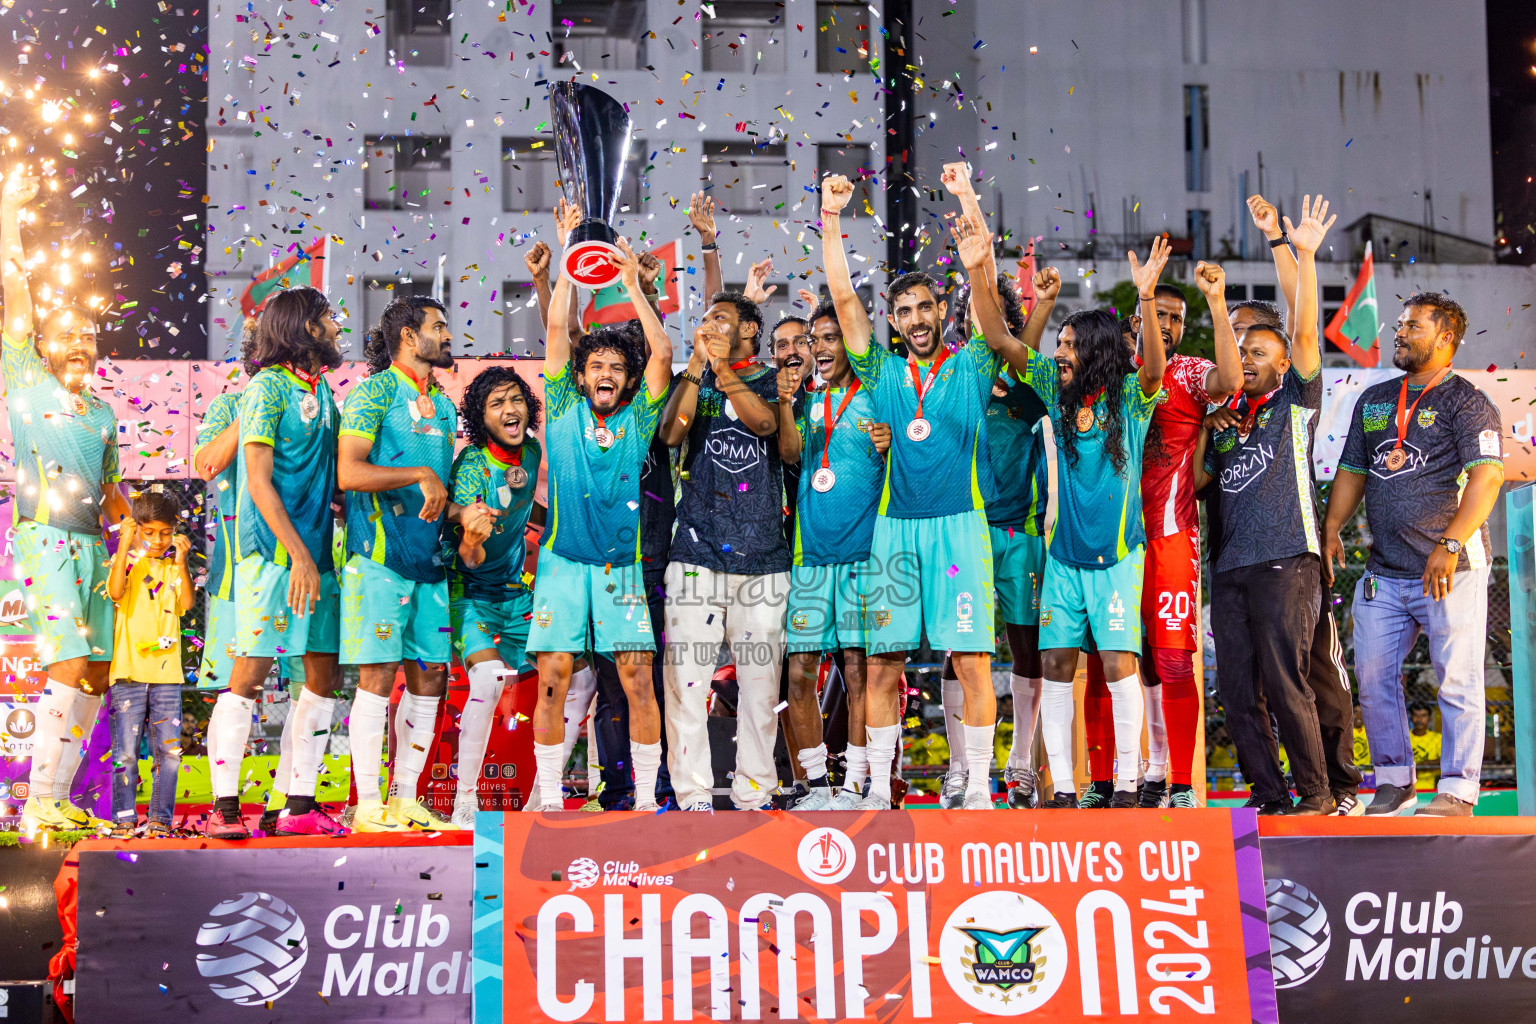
(917, 430)
(517, 476)
(603, 436)
(309, 407)
(823, 480)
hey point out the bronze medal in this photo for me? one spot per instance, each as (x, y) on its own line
(80, 407)
(1085, 419)
(517, 476)
(424, 405)
(1396, 459)
(603, 436)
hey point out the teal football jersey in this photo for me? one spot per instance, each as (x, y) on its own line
(386, 526)
(594, 493)
(223, 495)
(1098, 511)
(480, 476)
(1016, 459)
(834, 527)
(66, 443)
(941, 474)
(280, 410)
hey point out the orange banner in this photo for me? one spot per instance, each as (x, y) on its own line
(891, 916)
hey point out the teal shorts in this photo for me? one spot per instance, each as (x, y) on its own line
(1106, 601)
(502, 626)
(387, 618)
(567, 595)
(827, 607)
(1018, 563)
(218, 645)
(64, 575)
(932, 575)
(265, 627)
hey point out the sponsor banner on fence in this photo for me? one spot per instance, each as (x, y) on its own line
(321, 932)
(932, 916)
(1420, 927)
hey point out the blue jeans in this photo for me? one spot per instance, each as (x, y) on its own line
(132, 706)
(1457, 627)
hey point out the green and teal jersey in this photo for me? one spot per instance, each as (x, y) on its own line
(299, 423)
(1098, 511)
(594, 493)
(386, 526)
(225, 494)
(1016, 459)
(66, 443)
(943, 473)
(478, 475)
(835, 527)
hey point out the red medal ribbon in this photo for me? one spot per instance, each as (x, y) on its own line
(1251, 412)
(1402, 398)
(311, 380)
(421, 385)
(831, 421)
(504, 456)
(919, 384)
(745, 362)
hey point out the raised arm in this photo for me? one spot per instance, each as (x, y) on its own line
(708, 346)
(1047, 285)
(537, 261)
(789, 432)
(1223, 380)
(1307, 236)
(557, 333)
(758, 289)
(701, 214)
(1267, 220)
(1154, 358)
(957, 179)
(974, 242)
(658, 366)
(852, 317)
(19, 190)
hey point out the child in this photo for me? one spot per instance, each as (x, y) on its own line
(151, 592)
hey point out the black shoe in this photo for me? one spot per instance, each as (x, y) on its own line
(1124, 798)
(1281, 806)
(268, 823)
(1097, 796)
(1061, 800)
(1316, 804)
(1153, 794)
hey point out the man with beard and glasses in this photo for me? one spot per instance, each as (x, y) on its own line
(288, 595)
(930, 549)
(66, 485)
(842, 450)
(1266, 581)
(489, 603)
(729, 574)
(1100, 406)
(603, 400)
(1425, 452)
(396, 451)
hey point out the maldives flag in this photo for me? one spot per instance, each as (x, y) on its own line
(1355, 326)
(611, 305)
(284, 275)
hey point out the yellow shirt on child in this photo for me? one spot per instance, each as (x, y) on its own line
(146, 636)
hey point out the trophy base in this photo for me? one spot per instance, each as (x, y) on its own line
(587, 253)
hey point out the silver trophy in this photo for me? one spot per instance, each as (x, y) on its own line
(592, 148)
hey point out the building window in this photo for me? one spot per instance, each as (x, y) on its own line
(1200, 234)
(744, 36)
(842, 37)
(1197, 139)
(1236, 292)
(530, 176)
(419, 31)
(379, 292)
(400, 172)
(522, 329)
(608, 34)
(746, 178)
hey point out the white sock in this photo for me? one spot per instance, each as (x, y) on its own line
(594, 764)
(978, 758)
(370, 714)
(1056, 711)
(1126, 707)
(646, 758)
(411, 756)
(485, 682)
(856, 768)
(954, 720)
(54, 714)
(1157, 735)
(1026, 709)
(282, 777)
(881, 742)
(311, 719)
(229, 726)
(814, 761)
(83, 717)
(551, 765)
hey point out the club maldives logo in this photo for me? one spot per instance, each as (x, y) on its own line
(1299, 935)
(1003, 953)
(583, 873)
(258, 948)
(826, 855)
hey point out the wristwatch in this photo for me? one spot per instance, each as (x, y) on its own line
(1275, 243)
(1450, 544)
